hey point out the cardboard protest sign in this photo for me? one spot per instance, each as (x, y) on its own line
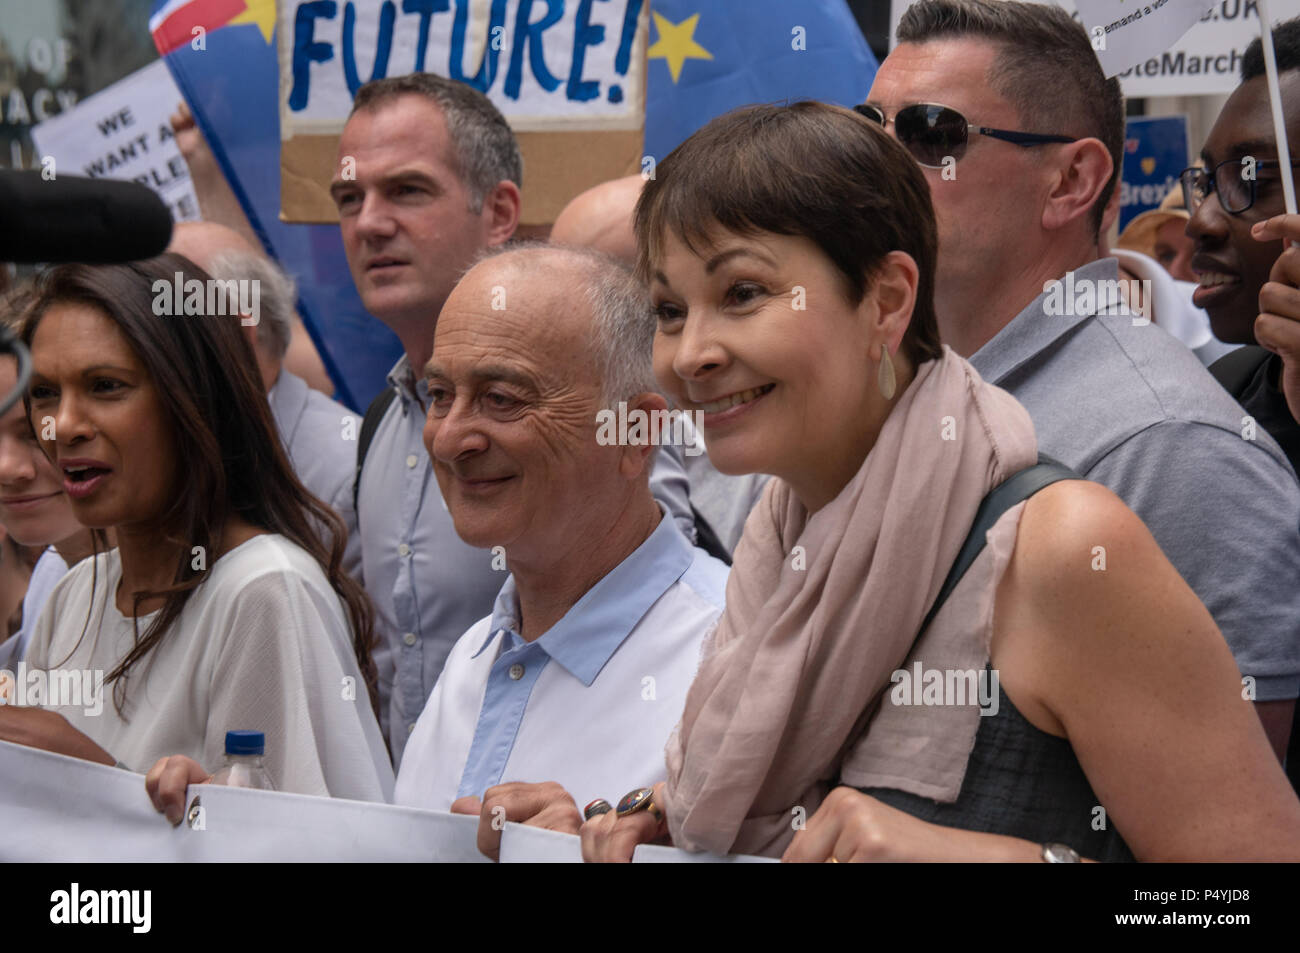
(569, 76)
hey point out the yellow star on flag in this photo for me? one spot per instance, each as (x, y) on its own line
(676, 44)
(261, 12)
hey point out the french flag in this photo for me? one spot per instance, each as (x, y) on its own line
(172, 24)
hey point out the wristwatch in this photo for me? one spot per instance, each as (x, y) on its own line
(1059, 854)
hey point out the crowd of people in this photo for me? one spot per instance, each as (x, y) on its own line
(918, 471)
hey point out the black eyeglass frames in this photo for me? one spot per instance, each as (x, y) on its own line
(1237, 187)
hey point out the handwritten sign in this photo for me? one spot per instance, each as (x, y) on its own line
(540, 61)
(123, 132)
(568, 75)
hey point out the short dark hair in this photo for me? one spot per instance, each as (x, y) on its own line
(811, 170)
(1286, 49)
(484, 147)
(1041, 48)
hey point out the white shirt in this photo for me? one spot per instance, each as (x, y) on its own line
(263, 644)
(1172, 308)
(47, 572)
(590, 704)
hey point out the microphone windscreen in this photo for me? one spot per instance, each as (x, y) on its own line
(73, 218)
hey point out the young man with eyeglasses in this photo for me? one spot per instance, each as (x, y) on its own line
(1241, 186)
(1111, 395)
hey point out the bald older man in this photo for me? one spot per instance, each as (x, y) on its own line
(318, 434)
(580, 673)
(601, 218)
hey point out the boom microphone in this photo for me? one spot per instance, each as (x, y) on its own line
(73, 218)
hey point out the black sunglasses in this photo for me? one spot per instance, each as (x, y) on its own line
(932, 132)
(1237, 188)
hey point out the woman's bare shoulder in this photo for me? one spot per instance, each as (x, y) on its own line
(1087, 588)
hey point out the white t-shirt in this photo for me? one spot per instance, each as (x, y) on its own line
(263, 644)
(1172, 307)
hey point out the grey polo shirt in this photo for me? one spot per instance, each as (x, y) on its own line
(320, 436)
(1133, 409)
(427, 585)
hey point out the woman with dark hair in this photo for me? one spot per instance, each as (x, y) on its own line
(221, 607)
(34, 508)
(1098, 711)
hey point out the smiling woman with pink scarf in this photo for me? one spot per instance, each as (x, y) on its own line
(790, 253)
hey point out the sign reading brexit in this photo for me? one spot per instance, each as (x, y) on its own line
(553, 67)
(1155, 154)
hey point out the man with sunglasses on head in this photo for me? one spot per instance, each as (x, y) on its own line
(1020, 134)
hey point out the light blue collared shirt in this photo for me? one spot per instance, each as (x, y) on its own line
(427, 585)
(590, 703)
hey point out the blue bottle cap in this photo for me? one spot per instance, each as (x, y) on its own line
(245, 742)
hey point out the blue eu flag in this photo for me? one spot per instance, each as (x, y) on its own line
(707, 57)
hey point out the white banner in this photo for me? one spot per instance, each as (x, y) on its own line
(1205, 61)
(123, 132)
(61, 809)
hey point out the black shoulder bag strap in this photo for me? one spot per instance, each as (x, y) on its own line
(374, 413)
(707, 539)
(1015, 489)
(1234, 370)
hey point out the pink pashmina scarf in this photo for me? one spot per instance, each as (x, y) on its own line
(823, 607)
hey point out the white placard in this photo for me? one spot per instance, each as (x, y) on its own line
(1126, 32)
(123, 132)
(1205, 62)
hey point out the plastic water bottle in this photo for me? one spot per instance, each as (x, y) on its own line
(242, 767)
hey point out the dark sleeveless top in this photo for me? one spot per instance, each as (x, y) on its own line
(1021, 782)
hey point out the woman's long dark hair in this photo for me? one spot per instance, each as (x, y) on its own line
(206, 376)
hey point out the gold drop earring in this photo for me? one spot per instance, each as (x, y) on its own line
(886, 379)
